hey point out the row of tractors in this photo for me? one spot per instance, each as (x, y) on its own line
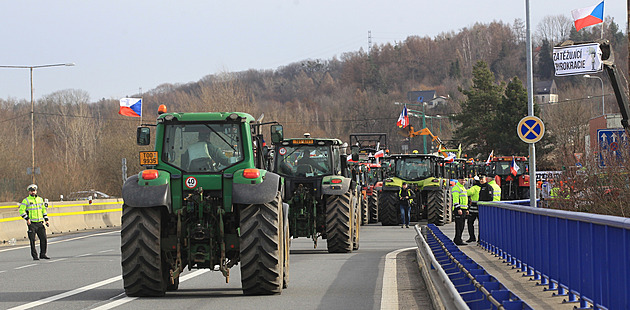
(214, 195)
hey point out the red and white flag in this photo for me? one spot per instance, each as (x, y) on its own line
(514, 167)
(380, 153)
(489, 158)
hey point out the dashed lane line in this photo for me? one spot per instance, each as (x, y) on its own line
(65, 240)
(126, 299)
(67, 294)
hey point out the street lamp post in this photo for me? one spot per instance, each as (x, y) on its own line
(588, 76)
(33, 108)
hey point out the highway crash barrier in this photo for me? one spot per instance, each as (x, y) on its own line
(456, 281)
(579, 255)
(65, 216)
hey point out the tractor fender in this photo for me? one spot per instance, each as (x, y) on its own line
(137, 196)
(391, 188)
(260, 193)
(329, 188)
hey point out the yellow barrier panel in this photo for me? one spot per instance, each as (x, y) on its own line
(77, 217)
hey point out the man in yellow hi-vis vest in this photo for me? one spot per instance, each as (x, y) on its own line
(33, 210)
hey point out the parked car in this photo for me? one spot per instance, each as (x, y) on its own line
(85, 195)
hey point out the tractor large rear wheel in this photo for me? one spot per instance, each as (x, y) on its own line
(338, 223)
(435, 207)
(356, 226)
(388, 208)
(373, 207)
(365, 213)
(143, 271)
(262, 252)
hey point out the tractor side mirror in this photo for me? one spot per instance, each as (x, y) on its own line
(355, 152)
(143, 135)
(276, 134)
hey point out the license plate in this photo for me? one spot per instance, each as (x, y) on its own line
(148, 158)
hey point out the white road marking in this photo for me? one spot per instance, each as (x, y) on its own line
(57, 260)
(77, 238)
(126, 299)
(105, 251)
(83, 255)
(67, 294)
(389, 291)
(1, 271)
(26, 266)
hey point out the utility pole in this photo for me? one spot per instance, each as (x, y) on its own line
(370, 39)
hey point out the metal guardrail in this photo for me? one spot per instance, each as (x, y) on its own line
(468, 285)
(583, 256)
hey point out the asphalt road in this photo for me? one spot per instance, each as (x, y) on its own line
(84, 273)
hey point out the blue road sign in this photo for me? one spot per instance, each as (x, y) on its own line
(530, 129)
(612, 143)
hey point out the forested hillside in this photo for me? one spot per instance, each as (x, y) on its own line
(80, 144)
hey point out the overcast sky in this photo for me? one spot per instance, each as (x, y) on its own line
(121, 46)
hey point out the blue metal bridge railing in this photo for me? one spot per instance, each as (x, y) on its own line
(583, 256)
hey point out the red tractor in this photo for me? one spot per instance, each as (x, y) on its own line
(511, 175)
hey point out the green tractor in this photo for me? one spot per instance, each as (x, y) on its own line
(322, 195)
(206, 201)
(425, 175)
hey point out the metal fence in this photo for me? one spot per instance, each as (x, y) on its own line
(583, 256)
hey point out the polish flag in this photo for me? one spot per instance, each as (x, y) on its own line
(588, 16)
(380, 153)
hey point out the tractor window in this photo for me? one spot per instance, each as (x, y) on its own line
(414, 168)
(202, 147)
(303, 161)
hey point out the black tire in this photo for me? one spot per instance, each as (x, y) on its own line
(373, 207)
(286, 249)
(338, 223)
(388, 208)
(262, 248)
(356, 227)
(435, 207)
(143, 271)
(365, 213)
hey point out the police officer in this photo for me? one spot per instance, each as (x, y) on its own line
(496, 189)
(405, 195)
(460, 209)
(481, 191)
(33, 210)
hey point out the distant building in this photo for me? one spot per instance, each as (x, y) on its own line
(546, 92)
(420, 96)
(427, 96)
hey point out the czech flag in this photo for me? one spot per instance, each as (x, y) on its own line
(450, 158)
(131, 107)
(514, 167)
(403, 119)
(588, 16)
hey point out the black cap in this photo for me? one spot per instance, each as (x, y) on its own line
(404, 183)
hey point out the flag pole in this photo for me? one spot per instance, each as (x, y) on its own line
(141, 106)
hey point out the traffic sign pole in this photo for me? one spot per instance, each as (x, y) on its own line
(530, 108)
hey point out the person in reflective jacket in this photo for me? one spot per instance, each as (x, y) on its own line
(405, 195)
(33, 210)
(460, 209)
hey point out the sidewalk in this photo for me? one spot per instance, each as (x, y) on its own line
(512, 278)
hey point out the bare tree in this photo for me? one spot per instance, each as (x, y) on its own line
(554, 28)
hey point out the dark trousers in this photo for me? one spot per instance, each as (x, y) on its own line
(471, 225)
(460, 221)
(405, 214)
(37, 228)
